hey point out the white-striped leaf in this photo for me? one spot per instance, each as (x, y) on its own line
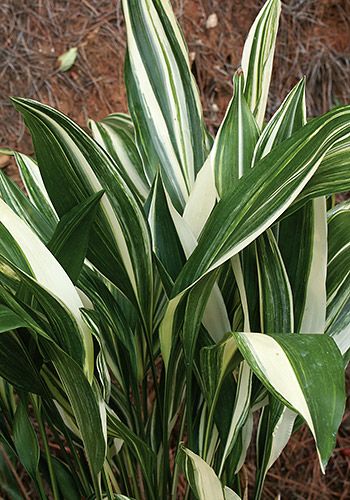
(303, 243)
(262, 195)
(331, 177)
(48, 273)
(230, 494)
(116, 135)
(163, 97)
(74, 167)
(276, 315)
(259, 198)
(257, 58)
(232, 151)
(338, 277)
(203, 481)
(15, 198)
(33, 182)
(215, 318)
(292, 368)
(274, 430)
(241, 410)
(202, 199)
(289, 117)
(276, 301)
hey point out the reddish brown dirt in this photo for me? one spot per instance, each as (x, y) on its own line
(314, 40)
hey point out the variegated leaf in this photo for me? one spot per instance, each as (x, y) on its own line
(338, 277)
(257, 58)
(47, 272)
(200, 476)
(73, 167)
(232, 151)
(292, 368)
(116, 135)
(163, 98)
(259, 198)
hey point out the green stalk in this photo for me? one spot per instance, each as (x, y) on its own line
(46, 448)
(169, 379)
(131, 474)
(108, 486)
(97, 487)
(188, 409)
(209, 428)
(40, 486)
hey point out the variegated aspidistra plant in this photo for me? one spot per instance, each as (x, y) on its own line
(163, 291)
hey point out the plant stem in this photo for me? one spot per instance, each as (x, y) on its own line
(46, 448)
(40, 486)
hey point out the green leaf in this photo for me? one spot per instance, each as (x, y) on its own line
(58, 323)
(9, 320)
(141, 451)
(234, 144)
(257, 58)
(26, 441)
(292, 367)
(65, 481)
(195, 307)
(69, 242)
(163, 97)
(165, 241)
(17, 364)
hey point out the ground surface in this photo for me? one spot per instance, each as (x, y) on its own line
(314, 40)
